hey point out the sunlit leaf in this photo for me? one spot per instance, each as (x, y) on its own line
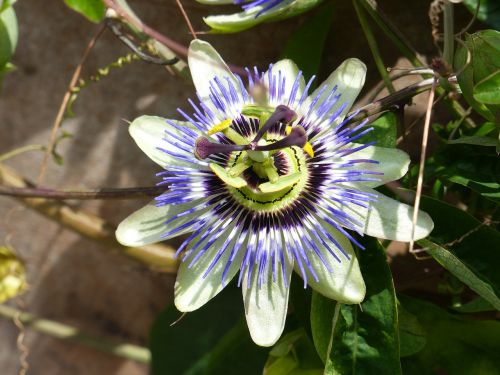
(487, 91)
(384, 133)
(483, 51)
(12, 275)
(8, 35)
(93, 10)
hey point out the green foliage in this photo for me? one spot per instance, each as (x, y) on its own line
(412, 336)
(211, 340)
(365, 338)
(455, 345)
(93, 10)
(489, 11)
(305, 46)
(294, 354)
(487, 91)
(474, 167)
(465, 247)
(8, 37)
(478, 60)
(384, 132)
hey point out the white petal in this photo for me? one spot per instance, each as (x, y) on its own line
(192, 290)
(389, 219)
(287, 70)
(391, 161)
(345, 283)
(147, 225)
(349, 78)
(149, 134)
(216, 2)
(231, 23)
(205, 64)
(266, 307)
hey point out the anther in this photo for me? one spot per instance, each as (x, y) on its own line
(204, 148)
(297, 137)
(281, 114)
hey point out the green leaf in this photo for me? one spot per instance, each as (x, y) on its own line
(365, 339)
(465, 247)
(455, 345)
(93, 10)
(476, 305)
(489, 11)
(487, 91)
(8, 35)
(294, 354)
(461, 271)
(384, 133)
(305, 46)
(484, 49)
(4, 4)
(12, 275)
(474, 140)
(474, 167)
(412, 337)
(212, 340)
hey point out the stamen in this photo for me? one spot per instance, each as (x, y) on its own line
(281, 114)
(204, 148)
(297, 137)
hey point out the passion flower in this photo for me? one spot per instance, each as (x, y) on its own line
(265, 178)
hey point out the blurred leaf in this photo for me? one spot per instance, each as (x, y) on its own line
(305, 46)
(12, 275)
(484, 48)
(489, 11)
(365, 339)
(455, 345)
(8, 35)
(487, 91)
(465, 247)
(4, 4)
(474, 140)
(412, 336)
(384, 133)
(93, 10)
(294, 354)
(476, 305)
(211, 340)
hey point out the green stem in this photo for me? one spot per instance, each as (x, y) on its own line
(66, 332)
(407, 50)
(21, 150)
(391, 31)
(372, 43)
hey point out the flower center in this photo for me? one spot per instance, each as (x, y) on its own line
(265, 166)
